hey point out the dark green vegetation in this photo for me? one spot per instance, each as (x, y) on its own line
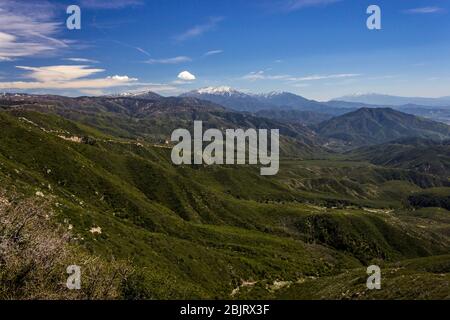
(435, 197)
(224, 231)
(422, 155)
(368, 126)
(294, 116)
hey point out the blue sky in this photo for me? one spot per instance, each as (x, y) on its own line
(320, 49)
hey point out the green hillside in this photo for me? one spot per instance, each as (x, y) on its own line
(213, 231)
(422, 155)
(368, 126)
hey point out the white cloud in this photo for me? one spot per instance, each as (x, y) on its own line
(59, 73)
(109, 4)
(199, 29)
(293, 5)
(107, 82)
(27, 29)
(186, 76)
(174, 60)
(66, 77)
(322, 77)
(83, 60)
(142, 51)
(122, 78)
(6, 59)
(261, 75)
(139, 49)
(424, 10)
(212, 52)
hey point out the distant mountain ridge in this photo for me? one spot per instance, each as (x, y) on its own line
(241, 101)
(229, 98)
(277, 103)
(368, 126)
(156, 118)
(156, 115)
(139, 95)
(388, 100)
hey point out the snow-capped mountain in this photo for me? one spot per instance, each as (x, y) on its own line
(9, 94)
(222, 90)
(229, 97)
(237, 100)
(287, 99)
(269, 94)
(150, 95)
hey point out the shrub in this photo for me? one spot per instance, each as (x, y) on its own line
(35, 252)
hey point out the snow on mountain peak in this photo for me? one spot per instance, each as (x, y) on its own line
(271, 94)
(362, 94)
(137, 94)
(222, 90)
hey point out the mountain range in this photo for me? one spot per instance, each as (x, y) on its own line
(388, 100)
(158, 116)
(241, 101)
(273, 102)
(348, 193)
(368, 126)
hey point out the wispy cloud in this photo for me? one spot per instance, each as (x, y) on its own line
(5, 59)
(301, 85)
(27, 29)
(66, 77)
(139, 49)
(212, 52)
(261, 75)
(329, 76)
(110, 4)
(174, 60)
(293, 5)
(384, 77)
(82, 60)
(59, 73)
(142, 51)
(198, 30)
(425, 10)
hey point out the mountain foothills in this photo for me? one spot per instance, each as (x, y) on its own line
(383, 99)
(368, 126)
(357, 186)
(434, 109)
(419, 154)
